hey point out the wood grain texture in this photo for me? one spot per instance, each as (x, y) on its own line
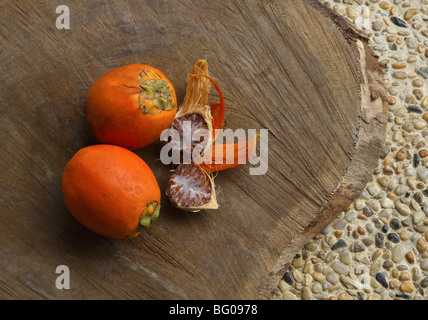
(292, 67)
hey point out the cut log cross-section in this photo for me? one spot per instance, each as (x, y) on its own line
(292, 67)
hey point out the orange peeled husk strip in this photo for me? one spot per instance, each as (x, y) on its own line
(220, 161)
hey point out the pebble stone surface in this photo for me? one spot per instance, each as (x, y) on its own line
(378, 248)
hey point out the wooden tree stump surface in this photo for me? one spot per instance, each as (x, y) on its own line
(293, 67)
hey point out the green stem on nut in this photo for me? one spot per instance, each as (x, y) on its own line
(145, 222)
(155, 95)
(151, 213)
(156, 213)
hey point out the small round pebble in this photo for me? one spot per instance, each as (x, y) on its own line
(397, 254)
(424, 264)
(288, 278)
(339, 267)
(394, 224)
(339, 244)
(379, 238)
(393, 237)
(381, 279)
(333, 278)
(387, 264)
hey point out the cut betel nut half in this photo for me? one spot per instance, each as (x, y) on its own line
(191, 189)
(190, 140)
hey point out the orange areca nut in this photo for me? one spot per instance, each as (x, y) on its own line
(130, 106)
(111, 191)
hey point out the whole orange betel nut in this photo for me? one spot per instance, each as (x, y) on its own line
(130, 106)
(111, 191)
